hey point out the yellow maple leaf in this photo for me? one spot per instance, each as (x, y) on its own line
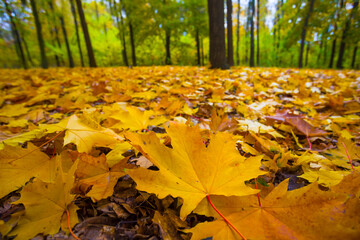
(18, 165)
(191, 169)
(95, 172)
(46, 205)
(85, 134)
(296, 214)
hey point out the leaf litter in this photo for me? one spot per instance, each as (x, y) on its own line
(179, 153)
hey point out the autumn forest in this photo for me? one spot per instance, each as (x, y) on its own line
(179, 119)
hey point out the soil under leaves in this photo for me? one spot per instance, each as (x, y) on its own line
(133, 153)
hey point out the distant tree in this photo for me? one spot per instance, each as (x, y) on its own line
(303, 32)
(252, 40)
(16, 34)
(129, 16)
(230, 49)
(44, 63)
(68, 50)
(339, 63)
(73, 12)
(336, 18)
(258, 33)
(238, 34)
(92, 62)
(217, 34)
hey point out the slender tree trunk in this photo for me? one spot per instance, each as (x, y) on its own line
(71, 61)
(132, 41)
(238, 35)
(307, 54)
(197, 46)
(167, 47)
(344, 35)
(44, 63)
(92, 62)
(258, 34)
(276, 50)
(247, 33)
(123, 35)
(252, 39)
(27, 51)
(52, 21)
(333, 51)
(73, 11)
(303, 33)
(354, 57)
(202, 52)
(230, 48)
(320, 50)
(217, 34)
(16, 35)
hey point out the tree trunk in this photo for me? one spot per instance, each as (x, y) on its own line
(202, 52)
(238, 35)
(92, 62)
(344, 35)
(16, 35)
(252, 40)
(333, 51)
(230, 48)
(217, 34)
(71, 61)
(124, 51)
(27, 51)
(320, 48)
(307, 53)
(44, 63)
(167, 47)
(247, 32)
(132, 41)
(325, 53)
(354, 57)
(303, 32)
(73, 11)
(258, 34)
(197, 46)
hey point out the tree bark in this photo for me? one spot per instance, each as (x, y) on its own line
(167, 47)
(258, 34)
(354, 57)
(307, 53)
(344, 35)
(73, 11)
(238, 35)
(230, 48)
(303, 32)
(252, 39)
(44, 63)
(202, 52)
(197, 46)
(333, 51)
(16, 35)
(132, 41)
(71, 61)
(92, 61)
(217, 34)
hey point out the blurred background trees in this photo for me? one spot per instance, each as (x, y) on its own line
(279, 33)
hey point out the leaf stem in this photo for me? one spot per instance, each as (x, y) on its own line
(39, 146)
(225, 219)
(307, 137)
(348, 156)
(258, 195)
(68, 223)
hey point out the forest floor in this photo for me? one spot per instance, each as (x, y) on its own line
(136, 153)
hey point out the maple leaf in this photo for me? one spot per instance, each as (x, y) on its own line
(191, 169)
(86, 133)
(95, 172)
(46, 205)
(296, 214)
(18, 165)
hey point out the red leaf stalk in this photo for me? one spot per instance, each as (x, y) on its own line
(258, 195)
(68, 223)
(348, 156)
(225, 219)
(307, 137)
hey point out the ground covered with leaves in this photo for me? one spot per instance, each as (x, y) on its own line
(161, 152)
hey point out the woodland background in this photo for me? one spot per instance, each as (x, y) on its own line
(293, 33)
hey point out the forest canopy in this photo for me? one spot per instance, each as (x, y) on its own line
(292, 33)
